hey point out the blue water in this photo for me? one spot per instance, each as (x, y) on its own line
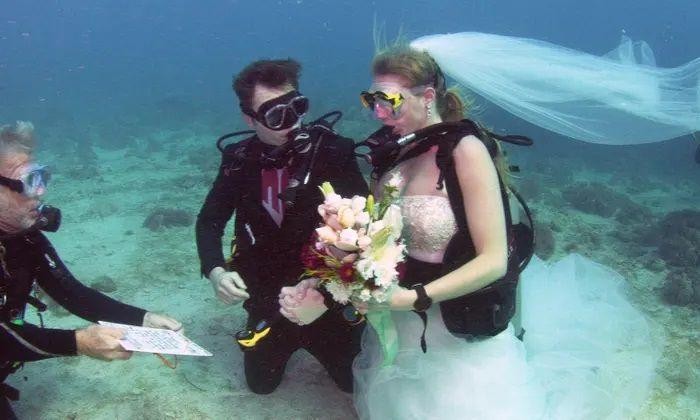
(68, 65)
(95, 58)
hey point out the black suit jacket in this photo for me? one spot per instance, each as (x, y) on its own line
(268, 256)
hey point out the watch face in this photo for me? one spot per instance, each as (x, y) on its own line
(422, 303)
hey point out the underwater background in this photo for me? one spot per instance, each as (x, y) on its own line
(128, 99)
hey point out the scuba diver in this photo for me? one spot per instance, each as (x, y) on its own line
(28, 261)
(270, 181)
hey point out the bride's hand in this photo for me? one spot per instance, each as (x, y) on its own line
(302, 304)
(400, 299)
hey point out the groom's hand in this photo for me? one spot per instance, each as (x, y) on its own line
(228, 286)
(302, 304)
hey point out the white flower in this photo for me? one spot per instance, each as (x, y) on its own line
(364, 241)
(346, 217)
(379, 295)
(340, 293)
(358, 204)
(365, 266)
(327, 235)
(333, 200)
(347, 240)
(365, 295)
(395, 180)
(375, 227)
(385, 274)
(392, 218)
(362, 218)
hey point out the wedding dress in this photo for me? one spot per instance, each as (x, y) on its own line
(587, 352)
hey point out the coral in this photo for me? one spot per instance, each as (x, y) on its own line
(598, 199)
(677, 237)
(682, 287)
(162, 218)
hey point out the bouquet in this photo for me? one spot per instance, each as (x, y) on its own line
(358, 248)
(357, 252)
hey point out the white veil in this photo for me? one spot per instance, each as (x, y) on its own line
(618, 98)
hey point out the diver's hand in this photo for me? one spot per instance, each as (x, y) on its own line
(228, 286)
(101, 342)
(154, 320)
(302, 304)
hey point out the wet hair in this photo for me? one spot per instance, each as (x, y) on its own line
(270, 73)
(420, 69)
(16, 138)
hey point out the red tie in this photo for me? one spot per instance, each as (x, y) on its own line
(273, 182)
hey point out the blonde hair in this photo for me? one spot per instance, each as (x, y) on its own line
(420, 69)
(16, 138)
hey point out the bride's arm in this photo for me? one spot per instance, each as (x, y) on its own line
(484, 211)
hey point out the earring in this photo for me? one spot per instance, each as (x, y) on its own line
(429, 111)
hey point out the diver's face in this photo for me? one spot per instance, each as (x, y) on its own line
(262, 94)
(412, 115)
(17, 211)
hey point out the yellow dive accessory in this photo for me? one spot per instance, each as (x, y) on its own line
(248, 339)
(390, 101)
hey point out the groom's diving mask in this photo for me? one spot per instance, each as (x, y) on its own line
(280, 113)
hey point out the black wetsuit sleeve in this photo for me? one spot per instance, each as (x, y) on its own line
(348, 179)
(56, 280)
(218, 207)
(27, 342)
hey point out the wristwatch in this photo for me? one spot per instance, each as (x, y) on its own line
(349, 313)
(423, 301)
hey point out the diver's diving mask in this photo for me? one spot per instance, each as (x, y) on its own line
(282, 112)
(32, 181)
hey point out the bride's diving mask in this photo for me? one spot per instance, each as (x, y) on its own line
(282, 112)
(386, 101)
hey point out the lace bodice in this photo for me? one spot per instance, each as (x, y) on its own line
(429, 224)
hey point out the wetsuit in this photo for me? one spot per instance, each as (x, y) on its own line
(269, 240)
(30, 259)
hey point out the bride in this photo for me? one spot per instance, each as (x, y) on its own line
(587, 353)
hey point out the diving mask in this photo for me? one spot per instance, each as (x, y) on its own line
(282, 112)
(389, 102)
(32, 182)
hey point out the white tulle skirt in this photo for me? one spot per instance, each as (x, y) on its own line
(587, 354)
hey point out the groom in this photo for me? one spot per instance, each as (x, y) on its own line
(270, 233)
